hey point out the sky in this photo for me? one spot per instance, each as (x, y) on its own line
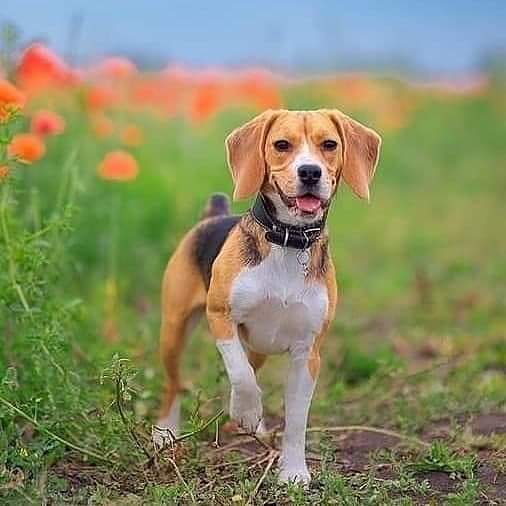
(445, 37)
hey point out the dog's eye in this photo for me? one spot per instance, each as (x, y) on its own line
(329, 145)
(282, 145)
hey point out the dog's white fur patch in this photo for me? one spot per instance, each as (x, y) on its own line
(245, 395)
(282, 312)
(281, 309)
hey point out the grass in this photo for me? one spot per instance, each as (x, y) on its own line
(417, 349)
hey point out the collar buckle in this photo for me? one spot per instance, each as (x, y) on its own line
(287, 236)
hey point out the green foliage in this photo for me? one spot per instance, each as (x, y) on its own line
(441, 458)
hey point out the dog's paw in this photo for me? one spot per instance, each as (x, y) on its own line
(161, 437)
(165, 431)
(246, 407)
(299, 475)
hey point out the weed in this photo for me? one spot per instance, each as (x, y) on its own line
(441, 458)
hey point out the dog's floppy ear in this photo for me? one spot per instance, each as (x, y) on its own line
(245, 154)
(361, 147)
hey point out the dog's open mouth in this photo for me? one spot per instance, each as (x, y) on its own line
(308, 204)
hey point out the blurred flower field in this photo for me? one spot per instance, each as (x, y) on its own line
(101, 172)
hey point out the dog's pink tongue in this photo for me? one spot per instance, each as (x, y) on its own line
(308, 203)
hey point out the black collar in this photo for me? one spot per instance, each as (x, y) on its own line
(282, 234)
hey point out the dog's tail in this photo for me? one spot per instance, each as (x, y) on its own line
(217, 205)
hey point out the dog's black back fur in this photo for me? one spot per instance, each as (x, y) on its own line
(213, 232)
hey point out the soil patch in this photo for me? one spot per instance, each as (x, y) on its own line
(487, 424)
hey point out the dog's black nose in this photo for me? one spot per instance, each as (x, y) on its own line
(309, 174)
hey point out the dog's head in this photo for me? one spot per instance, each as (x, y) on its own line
(296, 158)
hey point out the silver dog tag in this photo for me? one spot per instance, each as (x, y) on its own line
(304, 257)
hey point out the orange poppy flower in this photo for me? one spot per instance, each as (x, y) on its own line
(47, 123)
(4, 172)
(131, 135)
(118, 166)
(204, 103)
(101, 126)
(100, 97)
(157, 93)
(10, 98)
(260, 88)
(27, 148)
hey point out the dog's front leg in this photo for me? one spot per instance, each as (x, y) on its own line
(245, 395)
(299, 391)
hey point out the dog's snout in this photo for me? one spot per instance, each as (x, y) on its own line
(309, 174)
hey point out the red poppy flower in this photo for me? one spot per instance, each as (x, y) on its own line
(47, 123)
(39, 68)
(118, 166)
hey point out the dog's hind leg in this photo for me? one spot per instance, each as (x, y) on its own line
(183, 302)
(174, 331)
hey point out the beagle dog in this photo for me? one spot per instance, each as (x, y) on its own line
(265, 279)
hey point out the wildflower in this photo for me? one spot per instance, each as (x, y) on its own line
(10, 98)
(157, 93)
(260, 88)
(358, 91)
(4, 172)
(47, 123)
(204, 102)
(131, 135)
(39, 68)
(118, 166)
(100, 97)
(101, 126)
(117, 68)
(26, 147)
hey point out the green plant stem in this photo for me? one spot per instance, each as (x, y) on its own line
(35, 208)
(200, 429)
(113, 235)
(12, 265)
(66, 180)
(39, 233)
(51, 434)
(64, 200)
(126, 423)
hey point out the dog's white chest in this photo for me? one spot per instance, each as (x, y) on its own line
(281, 309)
